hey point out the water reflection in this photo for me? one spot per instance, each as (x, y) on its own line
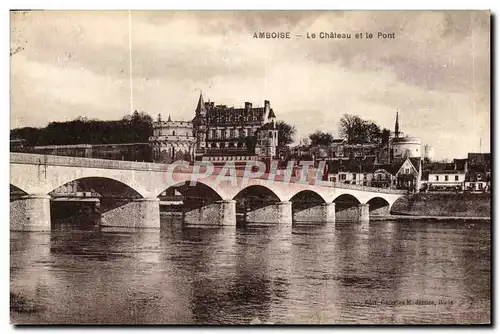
(331, 273)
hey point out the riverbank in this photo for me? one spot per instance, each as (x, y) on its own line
(443, 206)
(430, 218)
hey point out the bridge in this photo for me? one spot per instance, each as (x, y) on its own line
(211, 197)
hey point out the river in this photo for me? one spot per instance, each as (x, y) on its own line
(385, 272)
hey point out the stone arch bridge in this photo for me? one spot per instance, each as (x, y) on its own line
(211, 198)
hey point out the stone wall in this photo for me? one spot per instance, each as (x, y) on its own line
(221, 213)
(322, 213)
(144, 213)
(355, 213)
(278, 213)
(31, 213)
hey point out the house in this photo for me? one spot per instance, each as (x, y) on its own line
(384, 175)
(358, 171)
(444, 176)
(478, 172)
(409, 174)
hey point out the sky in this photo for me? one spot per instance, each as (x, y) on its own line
(435, 71)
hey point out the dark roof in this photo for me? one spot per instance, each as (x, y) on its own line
(416, 163)
(390, 168)
(457, 166)
(271, 114)
(479, 158)
(201, 105)
(356, 165)
(460, 163)
(268, 126)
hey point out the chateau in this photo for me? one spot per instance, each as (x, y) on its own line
(218, 131)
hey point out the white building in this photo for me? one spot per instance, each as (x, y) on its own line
(403, 147)
(446, 180)
(172, 140)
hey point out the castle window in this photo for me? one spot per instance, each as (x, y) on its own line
(173, 133)
(446, 177)
(456, 177)
(437, 177)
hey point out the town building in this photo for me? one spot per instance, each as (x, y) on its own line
(172, 140)
(478, 172)
(351, 171)
(409, 174)
(444, 176)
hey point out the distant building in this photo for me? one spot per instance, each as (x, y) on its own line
(403, 147)
(428, 152)
(227, 131)
(172, 140)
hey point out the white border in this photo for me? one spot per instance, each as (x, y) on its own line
(189, 4)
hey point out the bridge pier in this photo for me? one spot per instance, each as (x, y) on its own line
(277, 213)
(323, 213)
(220, 213)
(357, 213)
(141, 213)
(30, 213)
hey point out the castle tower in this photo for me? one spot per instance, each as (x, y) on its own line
(200, 123)
(267, 137)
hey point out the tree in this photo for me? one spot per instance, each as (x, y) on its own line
(320, 138)
(349, 127)
(359, 131)
(130, 129)
(286, 133)
(386, 134)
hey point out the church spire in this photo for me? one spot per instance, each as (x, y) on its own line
(169, 118)
(201, 105)
(396, 127)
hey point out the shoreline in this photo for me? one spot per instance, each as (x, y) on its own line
(431, 218)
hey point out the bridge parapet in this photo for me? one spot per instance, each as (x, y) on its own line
(279, 176)
(365, 188)
(58, 160)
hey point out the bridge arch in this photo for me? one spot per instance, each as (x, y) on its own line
(104, 186)
(258, 191)
(379, 206)
(255, 198)
(308, 195)
(345, 201)
(186, 188)
(17, 191)
(58, 178)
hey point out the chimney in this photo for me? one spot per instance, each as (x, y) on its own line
(248, 105)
